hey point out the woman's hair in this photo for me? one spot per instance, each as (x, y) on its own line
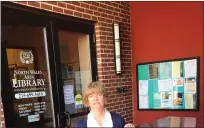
(94, 87)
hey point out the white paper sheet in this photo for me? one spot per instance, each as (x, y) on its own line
(143, 101)
(190, 68)
(68, 94)
(143, 86)
(165, 85)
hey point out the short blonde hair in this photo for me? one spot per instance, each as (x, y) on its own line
(94, 87)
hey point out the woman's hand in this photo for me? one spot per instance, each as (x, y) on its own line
(129, 125)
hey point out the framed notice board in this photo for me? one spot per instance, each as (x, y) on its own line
(168, 84)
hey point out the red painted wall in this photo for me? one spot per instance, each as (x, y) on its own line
(166, 30)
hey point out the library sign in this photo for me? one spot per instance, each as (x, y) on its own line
(29, 90)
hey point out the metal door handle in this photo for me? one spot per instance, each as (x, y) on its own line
(68, 119)
(58, 120)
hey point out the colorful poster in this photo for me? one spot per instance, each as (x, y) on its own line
(143, 87)
(153, 71)
(165, 85)
(178, 98)
(178, 82)
(190, 85)
(165, 70)
(177, 69)
(190, 67)
(166, 100)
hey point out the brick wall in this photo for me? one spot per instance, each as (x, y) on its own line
(105, 13)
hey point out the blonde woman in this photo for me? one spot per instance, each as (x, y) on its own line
(95, 97)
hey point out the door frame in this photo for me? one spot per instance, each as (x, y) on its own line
(52, 22)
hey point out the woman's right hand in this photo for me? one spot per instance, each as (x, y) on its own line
(129, 125)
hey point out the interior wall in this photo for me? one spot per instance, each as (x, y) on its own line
(68, 47)
(161, 31)
(84, 57)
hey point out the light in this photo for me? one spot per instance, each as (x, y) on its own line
(116, 29)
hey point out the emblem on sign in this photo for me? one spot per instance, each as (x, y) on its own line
(26, 57)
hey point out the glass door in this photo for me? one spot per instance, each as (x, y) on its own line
(29, 87)
(76, 71)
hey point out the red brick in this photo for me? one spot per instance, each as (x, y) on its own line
(69, 12)
(109, 12)
(34, 4)
(85, 5)
(101, 19)
(56, 9)
(78, 14)
(52, 2)
(61, 4)
(94, 8)
(115, 14)
(96, 13)
(45, 6)
(70, 6)
(115, 4)
(95, 3)
(2, 118)
(76, 3)
(87, 16)
(2, 112)
(103, 15)
(88, 11)
(102, 5)
(79, 9)
(22, 2)
(101, 10)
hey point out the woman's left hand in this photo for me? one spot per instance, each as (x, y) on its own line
(130, 125)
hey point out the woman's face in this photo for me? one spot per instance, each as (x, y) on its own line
(96, 101)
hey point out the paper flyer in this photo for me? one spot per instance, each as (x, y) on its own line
(68, 94)
(166, 100)
(188, 101)
(177, 69)
(177, 98)
(165, 70)
(190, 67)
(165, 85)
(143, 87)
(178, 82)
(143, 101)
(190, 85)
(153, 71)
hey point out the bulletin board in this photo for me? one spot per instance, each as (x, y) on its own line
(168, 85)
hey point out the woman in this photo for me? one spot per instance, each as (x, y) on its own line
(95, 97)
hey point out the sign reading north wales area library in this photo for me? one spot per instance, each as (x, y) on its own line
(29, 89)
(170, 84)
